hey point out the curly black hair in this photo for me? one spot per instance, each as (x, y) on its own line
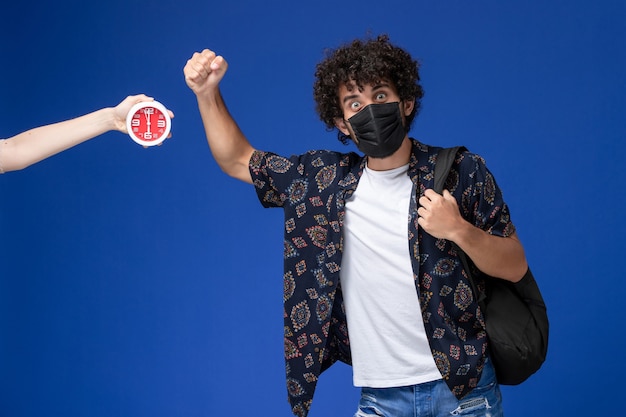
(365, 62)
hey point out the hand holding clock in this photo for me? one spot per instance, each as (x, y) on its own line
(34, 145)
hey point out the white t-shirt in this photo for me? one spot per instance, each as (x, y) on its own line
(387, 337)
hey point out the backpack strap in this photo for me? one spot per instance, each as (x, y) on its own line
(443, 164)
(445, 158)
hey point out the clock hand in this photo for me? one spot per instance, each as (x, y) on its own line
(147, 113)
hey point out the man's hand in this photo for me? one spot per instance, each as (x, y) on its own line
(204, 71)
(439, 215)
(501, 257)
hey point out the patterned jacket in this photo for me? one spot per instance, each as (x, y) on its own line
(312, 190)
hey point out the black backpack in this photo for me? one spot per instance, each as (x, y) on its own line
(515, 313)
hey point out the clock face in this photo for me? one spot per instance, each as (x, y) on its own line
(148, 123)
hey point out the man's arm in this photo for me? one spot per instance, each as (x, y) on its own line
(34, 145)
(229, 146)
(501, 257)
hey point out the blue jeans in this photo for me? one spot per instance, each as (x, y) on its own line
(433, 399)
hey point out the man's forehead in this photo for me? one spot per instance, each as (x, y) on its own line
(362, 85)
(352, 87)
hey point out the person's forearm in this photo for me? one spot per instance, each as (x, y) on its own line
(229, 146)
(39, 143)
(501, 257)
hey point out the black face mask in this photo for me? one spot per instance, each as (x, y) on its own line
(379, 129)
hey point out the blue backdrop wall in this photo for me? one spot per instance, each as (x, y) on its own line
(144, 282)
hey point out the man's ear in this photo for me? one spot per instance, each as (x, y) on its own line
(408, 106)
(342, 126)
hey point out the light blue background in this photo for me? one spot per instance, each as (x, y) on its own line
(145, 282)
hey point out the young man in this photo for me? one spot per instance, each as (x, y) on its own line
(368, 243)
(34, 145)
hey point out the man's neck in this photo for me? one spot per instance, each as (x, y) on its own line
(400, 157)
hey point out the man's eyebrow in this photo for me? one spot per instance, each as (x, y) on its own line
(349, 97)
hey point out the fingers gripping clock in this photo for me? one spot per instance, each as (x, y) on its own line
(148, 123)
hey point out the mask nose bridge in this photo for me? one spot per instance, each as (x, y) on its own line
(363, 113)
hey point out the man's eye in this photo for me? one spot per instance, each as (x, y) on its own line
(355, 105)
(381, 96)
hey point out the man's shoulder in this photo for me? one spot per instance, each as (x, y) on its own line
(316, 158)
(429, 152)
(330, 155)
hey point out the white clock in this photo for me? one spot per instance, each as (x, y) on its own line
(148, 123)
